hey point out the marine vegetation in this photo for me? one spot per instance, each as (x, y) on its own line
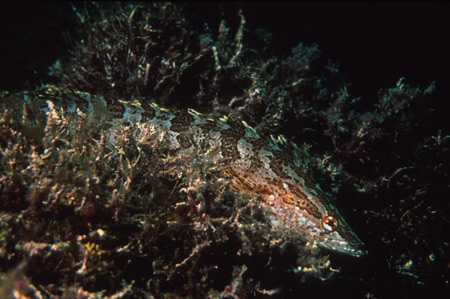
(169, 161)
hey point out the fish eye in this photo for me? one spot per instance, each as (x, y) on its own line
(329, 223)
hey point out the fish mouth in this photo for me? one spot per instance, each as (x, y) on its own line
(358, 252)
(355, 249)
(352, 251)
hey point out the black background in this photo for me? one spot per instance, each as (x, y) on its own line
(375, 43)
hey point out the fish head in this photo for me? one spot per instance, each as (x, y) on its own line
(311, 215)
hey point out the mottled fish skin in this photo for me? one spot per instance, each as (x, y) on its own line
(273, 168)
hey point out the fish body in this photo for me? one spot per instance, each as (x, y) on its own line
(274, 169)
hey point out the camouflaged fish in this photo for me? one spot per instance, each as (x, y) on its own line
(273, 168)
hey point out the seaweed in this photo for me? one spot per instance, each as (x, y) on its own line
(81, 216)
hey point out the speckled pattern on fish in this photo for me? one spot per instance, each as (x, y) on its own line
(274, 169)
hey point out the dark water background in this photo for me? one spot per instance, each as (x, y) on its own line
(375, 43)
